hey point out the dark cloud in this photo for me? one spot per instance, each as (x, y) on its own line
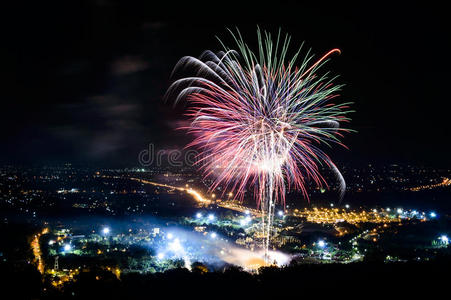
(128, 65)
(99, 126)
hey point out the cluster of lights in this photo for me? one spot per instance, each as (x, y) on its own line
(444, 239)
(210, 217)
(336, 215)
(414, 213)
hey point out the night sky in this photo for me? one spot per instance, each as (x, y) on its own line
(85, 81)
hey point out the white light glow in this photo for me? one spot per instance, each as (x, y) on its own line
(175, 246)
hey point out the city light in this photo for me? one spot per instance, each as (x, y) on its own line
(160, 255)
(280, 213)
(433, 214)
(170, 236)
(388, 209)
(67, 247)
(399, 210)
(347, 205)
(213, 235)
(444, 239)
(106, 230)
(211, 217)
(198, 215)
(321, 244)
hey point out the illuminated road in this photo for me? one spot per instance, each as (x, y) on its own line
(37, 250)
(445, 182)
(201, 199)
(315, 215)
(195, 194)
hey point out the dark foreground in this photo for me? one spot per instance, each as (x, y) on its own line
(358, 280)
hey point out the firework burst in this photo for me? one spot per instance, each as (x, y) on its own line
(260, 119)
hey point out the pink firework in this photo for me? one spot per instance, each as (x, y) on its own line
(260, 121)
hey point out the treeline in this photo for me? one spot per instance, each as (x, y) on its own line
(353, 280)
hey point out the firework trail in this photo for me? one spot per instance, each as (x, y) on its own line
(259, 120)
